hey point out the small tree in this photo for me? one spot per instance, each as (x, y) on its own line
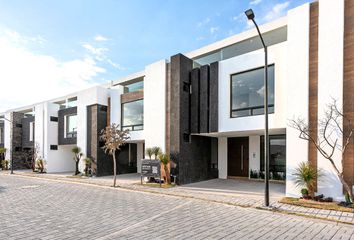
(306, 175)
(332, 128)
(156, 151)
(165, 160)
(113, 139)
(149, 152)
(77, 156)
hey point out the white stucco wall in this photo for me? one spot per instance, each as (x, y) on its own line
(277, 56)
(94, 95)
(297, 91)
(7, 138)
(254, 152)
(330, 82)
(155, 105)
(222, 157)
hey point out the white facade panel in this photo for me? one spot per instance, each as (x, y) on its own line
(330, 83)
(222, 157)
(297, 91)
(155, 105)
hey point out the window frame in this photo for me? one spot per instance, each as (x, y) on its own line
(250, 108)
(73, 133)
(131, 127)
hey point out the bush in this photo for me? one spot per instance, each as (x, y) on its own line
(306, 175)
(304, 192)
(5, 164)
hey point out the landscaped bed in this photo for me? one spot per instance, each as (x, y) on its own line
(314, 204)
(157, 185)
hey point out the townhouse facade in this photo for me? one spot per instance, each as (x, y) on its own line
(206, 109)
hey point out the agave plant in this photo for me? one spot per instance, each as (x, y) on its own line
(149, 152)
(156, 151)
(306, 175)
(165, 160)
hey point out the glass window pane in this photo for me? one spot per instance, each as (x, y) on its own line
(133, 115)
(247, 90)
(134, 87)
(71, 125)
(277, 157)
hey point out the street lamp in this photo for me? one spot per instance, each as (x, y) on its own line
(250, 15)
(12, 169)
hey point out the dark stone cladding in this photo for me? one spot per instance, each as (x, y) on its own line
(96, 122)
(3, 133)
(195, 99)
(214, 97)
(62, 140)
(26, 143)
(20, 157)
(192, 154)
(204, 98)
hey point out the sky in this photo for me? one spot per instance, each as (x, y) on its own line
(52, 48)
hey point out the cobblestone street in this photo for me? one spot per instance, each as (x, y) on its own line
(42, 209)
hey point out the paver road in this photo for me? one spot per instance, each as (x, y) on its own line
(41, 209)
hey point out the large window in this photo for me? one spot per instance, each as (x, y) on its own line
(247, 92)
(133, 87)
(133, 115)
(71, 126)
(277, 153)
(1, 135)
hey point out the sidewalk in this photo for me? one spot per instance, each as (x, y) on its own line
(238, 198)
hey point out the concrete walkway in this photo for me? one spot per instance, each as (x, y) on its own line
(239, 192)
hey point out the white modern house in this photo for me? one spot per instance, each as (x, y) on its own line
(206, 109)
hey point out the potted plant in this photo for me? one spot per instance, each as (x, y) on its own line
(305, 193)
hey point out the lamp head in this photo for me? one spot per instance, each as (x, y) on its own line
(250, 14)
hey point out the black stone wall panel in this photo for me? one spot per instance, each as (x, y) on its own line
(26, 143)
(2, 125)
(214, 97)
(62, 140)
(195, 77)
(204, 99)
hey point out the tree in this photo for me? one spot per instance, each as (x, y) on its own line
(77, 156)
(113, 139)
(156, 151)
(149, 152)
(333, 127)
(165, 160)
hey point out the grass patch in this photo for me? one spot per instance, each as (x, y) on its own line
(156, 185)
(313, 204)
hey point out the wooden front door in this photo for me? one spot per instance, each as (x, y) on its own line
(237, 161)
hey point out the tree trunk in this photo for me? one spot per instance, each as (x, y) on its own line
(344, 183)
(77, 167)
(167, 173)
(114, 169)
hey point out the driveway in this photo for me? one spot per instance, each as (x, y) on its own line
(45, 209)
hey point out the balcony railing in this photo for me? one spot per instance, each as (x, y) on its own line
(136, 127)
(251, 111)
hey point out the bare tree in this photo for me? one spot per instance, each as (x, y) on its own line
(77, 156)
(113, 139)
(333, 127)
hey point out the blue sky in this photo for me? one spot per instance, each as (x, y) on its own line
(59, 47)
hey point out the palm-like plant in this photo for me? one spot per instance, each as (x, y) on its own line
(165, 160)
(156, 151)
(306, 175)
(113, 139)
(77, 156)
(149, 152)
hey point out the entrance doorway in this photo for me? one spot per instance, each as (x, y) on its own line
(237, 159)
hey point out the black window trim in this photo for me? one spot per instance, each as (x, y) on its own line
(248, 108)
(122, 117)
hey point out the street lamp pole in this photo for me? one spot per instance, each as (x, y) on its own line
(12, 169)
(250, 15)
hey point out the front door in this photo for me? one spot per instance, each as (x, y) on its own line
(237, 162)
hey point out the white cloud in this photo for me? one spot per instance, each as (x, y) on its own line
(277, 11)
(204, 22)
(200, 39)
(255, 2)
(213, 30)
(27, 77)
(98, 52)
(100, 38)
